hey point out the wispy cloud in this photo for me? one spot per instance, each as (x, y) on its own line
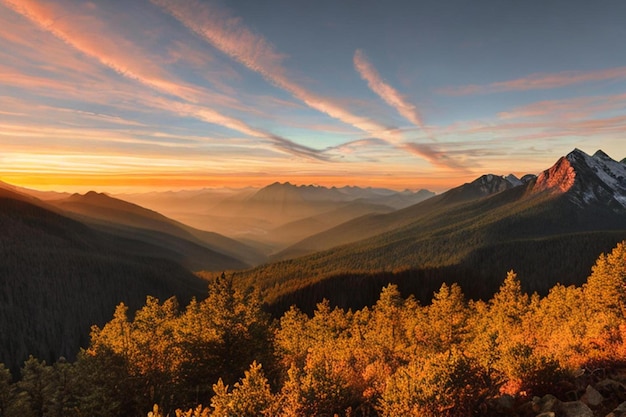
(436, 156)
(574, 108)
(232, 37)
(389, 94)
(229, 35)
(123, 57)
(538, 81)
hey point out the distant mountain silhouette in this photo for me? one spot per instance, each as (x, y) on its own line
(370, 225)
(278, 215)
(196, 249)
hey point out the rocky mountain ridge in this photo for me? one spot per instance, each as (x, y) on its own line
(596, 179)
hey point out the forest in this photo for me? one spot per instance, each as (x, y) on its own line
(226, 356)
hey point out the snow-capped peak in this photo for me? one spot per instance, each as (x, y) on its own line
(513, 180)
(587, 179)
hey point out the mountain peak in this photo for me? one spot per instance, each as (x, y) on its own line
(601, 155)
(560, 177)
(586, 179)
(513, 180)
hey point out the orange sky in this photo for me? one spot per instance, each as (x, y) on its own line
(178, 95)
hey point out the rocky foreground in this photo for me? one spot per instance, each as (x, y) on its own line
(597, 393)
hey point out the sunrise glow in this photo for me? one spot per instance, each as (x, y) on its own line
(178, 95)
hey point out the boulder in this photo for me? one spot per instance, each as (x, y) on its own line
(612, 389)
(592, 397)
(545, 403)
(574, 409)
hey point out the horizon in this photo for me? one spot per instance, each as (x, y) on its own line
(109, 187)
(166, 95)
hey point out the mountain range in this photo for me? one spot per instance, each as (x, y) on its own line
(549, 228)
(278, 215)
(68, 259)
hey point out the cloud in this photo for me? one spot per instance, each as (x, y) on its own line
(574, 108)
(120, 55)
(390, 95)
(229, 35)
(538, 82)
(435, 156)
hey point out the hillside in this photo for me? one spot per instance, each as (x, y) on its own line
(472, 234)
(199, 249)
(60, 276)
(278, 215)
(370, 225)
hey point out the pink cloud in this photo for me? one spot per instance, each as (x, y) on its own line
(538, 82)
(575, 108)
(229, 35)
(389, 94)
(87, 35)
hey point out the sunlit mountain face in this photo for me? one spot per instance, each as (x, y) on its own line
(163, 95)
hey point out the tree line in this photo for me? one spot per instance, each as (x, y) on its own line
(225, 356)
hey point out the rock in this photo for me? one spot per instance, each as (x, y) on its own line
(546, 403)
(592, 397)
(547, 414)
(620, 411)
(574, 409)
(611, 388)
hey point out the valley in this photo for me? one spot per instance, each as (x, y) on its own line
(311, 243)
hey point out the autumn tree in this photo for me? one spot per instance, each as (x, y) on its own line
(605, 296)
(250, 397)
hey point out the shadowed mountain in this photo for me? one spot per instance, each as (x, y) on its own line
(41, 195)
(196, 249)
(278, 215)
(373, 224)
(60, 276)
(549, 229)
(300, 229)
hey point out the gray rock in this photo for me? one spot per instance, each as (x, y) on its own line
(574, 409)
(546, 403)
(611, 388)
(592, 397)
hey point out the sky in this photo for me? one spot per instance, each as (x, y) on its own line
(168, 94)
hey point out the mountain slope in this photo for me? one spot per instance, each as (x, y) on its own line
(59, 276)
(301, 229)
(279, 214)
(373, 224)
(474, 234)
(199, 249)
